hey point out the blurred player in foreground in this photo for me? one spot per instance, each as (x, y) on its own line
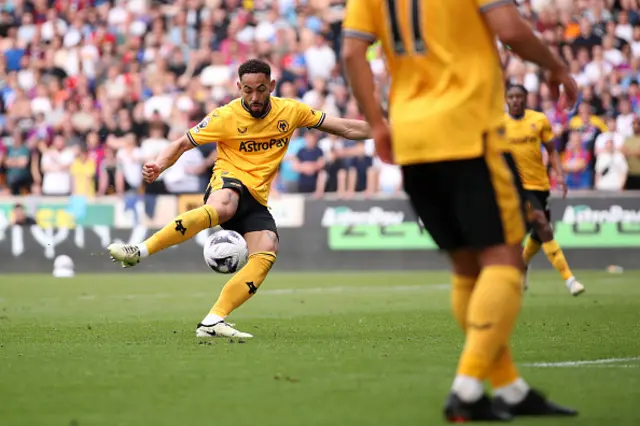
(527, 131)
(252, 134)
(447, 113)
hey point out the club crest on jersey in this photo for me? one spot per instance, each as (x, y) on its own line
(283, 126)
(533, 127)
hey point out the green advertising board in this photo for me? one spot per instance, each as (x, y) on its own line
(410, 236)
(58, 214)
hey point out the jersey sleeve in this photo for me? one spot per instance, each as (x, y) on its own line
(209, 130)
(308, 117)
(360, 20)
(486, 5)
(546, 134)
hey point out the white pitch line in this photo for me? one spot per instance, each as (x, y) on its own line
(581, 363)
(388, 289)
(288, 291)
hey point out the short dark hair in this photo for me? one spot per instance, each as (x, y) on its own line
(519, 87)
(254, 66)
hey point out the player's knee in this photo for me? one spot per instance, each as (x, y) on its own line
(465, 263)
(502, 255)
(265, 241)
(269, 242)
(225, 201)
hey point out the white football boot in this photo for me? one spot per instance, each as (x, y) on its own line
(127, 254)
(221, 329)
(575, 287)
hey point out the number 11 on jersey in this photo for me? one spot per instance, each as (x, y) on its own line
(399, 46)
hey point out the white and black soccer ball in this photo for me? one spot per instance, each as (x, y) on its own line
(226, 252)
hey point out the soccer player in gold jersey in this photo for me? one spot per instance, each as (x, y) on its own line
(252, 134)
(527, 132)
(447, 117)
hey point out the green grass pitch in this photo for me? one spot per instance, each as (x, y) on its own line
(329, 349)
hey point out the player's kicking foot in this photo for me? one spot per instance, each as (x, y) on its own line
(128, 255)
(534, 404)
(574, 287)
(221, 329)
(458, 411)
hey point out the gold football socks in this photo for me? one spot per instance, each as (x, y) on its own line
(556, 257)
(183, 228)
(461, 290)
(243, 284)
(491, 315)
(531, 248)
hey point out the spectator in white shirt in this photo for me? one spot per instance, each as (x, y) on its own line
(611, 54)
(129, 160)
(160, 102)
(55, 164)
(611, 136)
(320, 59)
(598, 67)
(150, 149)
(184, 176)
(611, 169)
(624, 122)
(624, 30)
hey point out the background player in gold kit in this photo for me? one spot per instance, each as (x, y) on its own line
(527, 132)
(252, 134)
(447, 114)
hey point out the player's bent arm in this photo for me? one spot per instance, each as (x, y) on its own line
(360, 77)
(353, 130)
(172, 152)
(504, 20)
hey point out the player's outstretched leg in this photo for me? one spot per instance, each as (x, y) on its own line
(241, 287)
(220, 206)
(183, 228)
(543, 234)
(513, 395)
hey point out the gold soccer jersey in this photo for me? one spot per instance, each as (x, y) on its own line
(447, 86)
(526, 137)
(251, 149)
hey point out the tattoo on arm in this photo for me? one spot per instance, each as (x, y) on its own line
(233, 199)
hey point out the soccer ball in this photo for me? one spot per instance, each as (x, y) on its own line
(226, 252)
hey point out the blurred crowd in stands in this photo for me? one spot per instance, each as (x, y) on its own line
(91, 89)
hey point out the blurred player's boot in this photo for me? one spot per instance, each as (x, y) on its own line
(482, 410)
(533, 404)
(221, 329)
(574, 286)
(128, 255)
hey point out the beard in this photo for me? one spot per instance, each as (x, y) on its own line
(260, 113)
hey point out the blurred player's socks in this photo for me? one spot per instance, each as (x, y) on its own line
(462, 288)
(556, 257)
(241, 286)
(505, 380)
(531, 248)
(183, 228)
(491, 315)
